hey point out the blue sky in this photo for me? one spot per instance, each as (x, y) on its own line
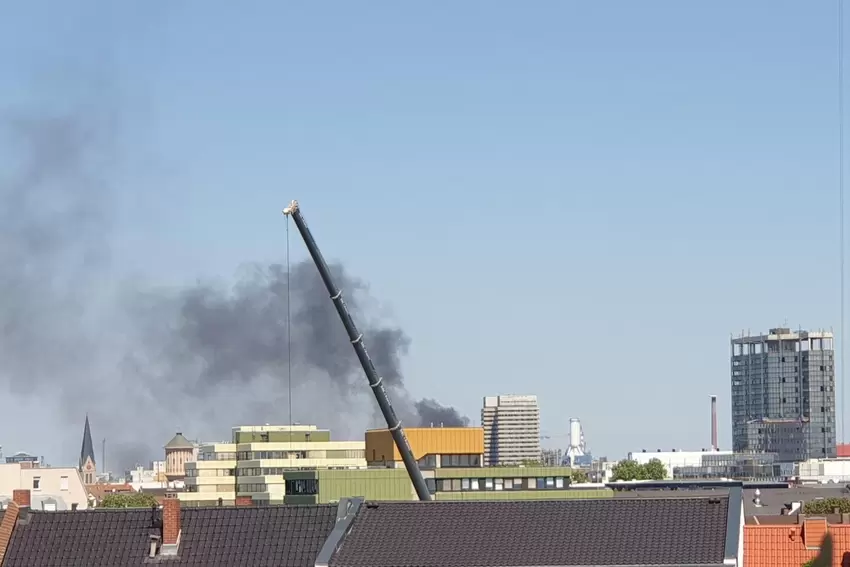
(580, 200)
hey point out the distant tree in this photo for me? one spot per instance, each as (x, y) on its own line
(827, 506)
(655, 470)
(578, 476)
(128, 500)
(627, 470)
(632, 470)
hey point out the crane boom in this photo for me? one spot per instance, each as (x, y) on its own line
(375, 381)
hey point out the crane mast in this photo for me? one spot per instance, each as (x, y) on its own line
(356, 338)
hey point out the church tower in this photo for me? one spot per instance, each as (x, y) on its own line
(88, 466)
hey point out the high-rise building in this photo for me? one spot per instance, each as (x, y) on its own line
(511, 430)
(783, 394)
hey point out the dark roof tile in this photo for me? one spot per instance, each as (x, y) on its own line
(555, 533)
(279, 536)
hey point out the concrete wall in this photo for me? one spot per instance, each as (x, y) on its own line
(382, 484)
(60, 486)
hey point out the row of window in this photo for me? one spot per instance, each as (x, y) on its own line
(253, 455)
(263, 471)
(788, 345)
(63, 483)
(209, 487)
(213, 456)
(252, 487)
(477, 484)
(193, 472)
(449, 461)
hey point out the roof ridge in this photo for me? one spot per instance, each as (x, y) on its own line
(559, 500)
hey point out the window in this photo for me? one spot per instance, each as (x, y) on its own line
(36, 483)
(464, 485)
(499, 484)
(302, 486)
(63, 483)
(428, 462)
(473, 484)
(559, 482)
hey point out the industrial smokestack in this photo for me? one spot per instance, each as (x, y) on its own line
(714, 446)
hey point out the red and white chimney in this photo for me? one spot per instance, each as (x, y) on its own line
(714, 446)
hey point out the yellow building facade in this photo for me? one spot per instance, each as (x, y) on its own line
(433, 447)
(254, 462)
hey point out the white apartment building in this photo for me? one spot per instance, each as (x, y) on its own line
(254, 462)
(50, 488)
(511, 429)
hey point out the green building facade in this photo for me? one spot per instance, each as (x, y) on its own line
(478, 483)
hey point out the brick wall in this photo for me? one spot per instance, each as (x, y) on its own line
(244, 501)
(21, 498)
(170, 520)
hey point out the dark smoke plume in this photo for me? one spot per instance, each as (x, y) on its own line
(145, 362)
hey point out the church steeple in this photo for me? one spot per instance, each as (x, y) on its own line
(87, 461)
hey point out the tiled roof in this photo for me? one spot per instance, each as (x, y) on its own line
(285, 536)
(772, 501)
(791, 546)
(179, 442)
(660, 531)
(101, 490)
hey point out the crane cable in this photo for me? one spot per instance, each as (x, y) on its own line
(288, 330)
(841, 199)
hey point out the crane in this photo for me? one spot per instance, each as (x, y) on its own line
(356, 338)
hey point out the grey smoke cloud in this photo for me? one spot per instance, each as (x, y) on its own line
(145, 361)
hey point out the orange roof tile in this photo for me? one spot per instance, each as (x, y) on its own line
(101, 490)
(792, 545)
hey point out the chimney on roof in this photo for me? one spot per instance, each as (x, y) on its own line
(244, 501)
(814, 530)
(171, 520)
(22, 498)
